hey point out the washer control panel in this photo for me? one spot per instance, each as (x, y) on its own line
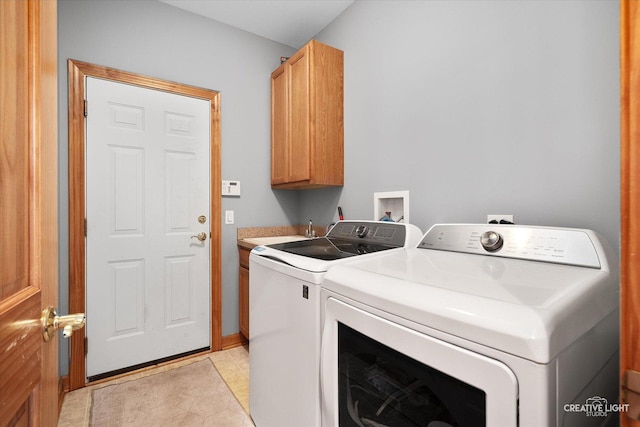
(558, 245)
(389, 233)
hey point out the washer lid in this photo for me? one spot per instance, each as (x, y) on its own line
(330, 249)
(526, 308)
(347, 240)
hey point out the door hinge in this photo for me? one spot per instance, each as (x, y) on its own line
(85, 227)
(86, 108)
(631, 394)
(86, 346)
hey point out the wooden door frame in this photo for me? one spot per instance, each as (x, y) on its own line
(629, 191)
(77, 258)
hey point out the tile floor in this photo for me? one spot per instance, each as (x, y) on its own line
(233, 365)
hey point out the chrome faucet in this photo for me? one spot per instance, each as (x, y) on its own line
(310, 233)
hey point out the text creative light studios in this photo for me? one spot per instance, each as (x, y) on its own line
(596, 407)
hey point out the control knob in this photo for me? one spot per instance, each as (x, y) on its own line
(491, 241)
(362, 230)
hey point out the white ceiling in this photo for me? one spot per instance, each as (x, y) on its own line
(290, 22)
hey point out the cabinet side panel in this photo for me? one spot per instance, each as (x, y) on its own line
(243, 314)
(328, 118)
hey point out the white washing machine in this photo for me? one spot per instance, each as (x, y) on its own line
(284, 315)
(480, 325)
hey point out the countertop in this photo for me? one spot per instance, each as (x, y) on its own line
(257, 241)
(255, 236)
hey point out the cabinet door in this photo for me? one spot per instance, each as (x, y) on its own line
(279, 150)
(299, 116)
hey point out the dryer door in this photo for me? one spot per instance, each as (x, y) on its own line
(376, 372)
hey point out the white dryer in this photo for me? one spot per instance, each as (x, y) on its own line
(480, 325)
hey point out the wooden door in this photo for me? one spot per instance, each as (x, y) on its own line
(148, 199)
(630, 203)
(28, 211)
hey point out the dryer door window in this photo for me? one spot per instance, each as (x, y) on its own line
(378, 371)
(380, 386)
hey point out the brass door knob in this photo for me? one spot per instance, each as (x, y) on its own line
(200, 236)
(51, 322)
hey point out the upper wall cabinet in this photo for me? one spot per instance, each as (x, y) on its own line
(307, 119)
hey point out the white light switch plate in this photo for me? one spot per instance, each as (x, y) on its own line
(228, 217)
(230, 188)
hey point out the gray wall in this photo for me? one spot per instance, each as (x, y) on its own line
(475, 107)
(480, 107)
(155, 39)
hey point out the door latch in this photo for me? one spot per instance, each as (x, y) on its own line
(51, 322)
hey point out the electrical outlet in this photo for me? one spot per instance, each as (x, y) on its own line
(228, 217)
(499, 218)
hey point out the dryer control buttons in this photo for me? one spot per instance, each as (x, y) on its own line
(491, 241)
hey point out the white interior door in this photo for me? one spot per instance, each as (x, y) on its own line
(147, 189)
